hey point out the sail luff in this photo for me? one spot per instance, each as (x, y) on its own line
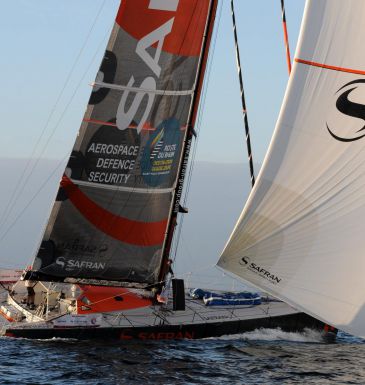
(174, 210)
(265, 164)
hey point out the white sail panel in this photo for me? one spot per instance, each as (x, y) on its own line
(301, 235)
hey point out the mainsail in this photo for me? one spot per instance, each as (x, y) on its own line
(301, 233)
(114, 208)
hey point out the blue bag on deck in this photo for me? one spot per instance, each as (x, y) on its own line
(226, 298)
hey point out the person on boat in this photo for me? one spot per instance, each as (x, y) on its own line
(162, 293)
(30, 293)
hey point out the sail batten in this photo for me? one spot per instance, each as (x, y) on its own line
(300, 235)
(110, 220)
(166, 92)
(137, 190)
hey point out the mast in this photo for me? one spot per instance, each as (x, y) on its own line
(176, 208)
(286, 40)
(243, 101)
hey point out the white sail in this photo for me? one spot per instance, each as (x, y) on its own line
(301, 235)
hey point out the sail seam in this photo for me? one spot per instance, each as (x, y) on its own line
(137, 190)
(138, 89)
(111, 124)
(330, 67)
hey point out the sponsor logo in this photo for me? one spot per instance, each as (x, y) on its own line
(77, 246)
(154, 38)
(262, 272)
(349, 108)
(161, 153)
(60, 262)
(75, 321)
(180, 181)
(216, 317)
(111, 155)
(129, 335)
(73, 264)
(244, 261)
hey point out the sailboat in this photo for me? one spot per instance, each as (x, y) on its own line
(103, 266)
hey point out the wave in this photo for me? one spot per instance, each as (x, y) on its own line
(307, 336)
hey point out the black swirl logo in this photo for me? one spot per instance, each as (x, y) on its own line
(244, 261)
(349, 108)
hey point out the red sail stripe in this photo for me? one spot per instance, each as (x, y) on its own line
(101, 122)
(329, 67)
(123, 229)
(185, 38)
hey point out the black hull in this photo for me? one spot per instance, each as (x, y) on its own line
(290, 323)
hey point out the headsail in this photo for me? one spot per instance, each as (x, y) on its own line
(112, 212)
(301, 233)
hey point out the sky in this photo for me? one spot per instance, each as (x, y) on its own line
(51, 51)
(43, 41)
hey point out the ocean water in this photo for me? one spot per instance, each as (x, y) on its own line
(260, 357)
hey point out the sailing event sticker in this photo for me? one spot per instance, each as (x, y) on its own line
(161, 153)
(111, 155)
(73, 320)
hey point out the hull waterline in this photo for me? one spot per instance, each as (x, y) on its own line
(289, 323)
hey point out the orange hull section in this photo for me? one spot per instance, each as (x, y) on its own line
(99, 299)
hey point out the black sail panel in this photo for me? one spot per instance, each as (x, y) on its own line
(112, 211)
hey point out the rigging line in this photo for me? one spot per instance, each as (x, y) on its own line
(244, 110)
(126, 291)
(2, 236)
(150, 198)
(4, 287)
(15, 196)
(64, 158)
(176, 232)
(147, 203)
(204, 94)
(286, 40)
(201, 268)
(50, 137)
(198, 125)
(199, 120)
(188, 137)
